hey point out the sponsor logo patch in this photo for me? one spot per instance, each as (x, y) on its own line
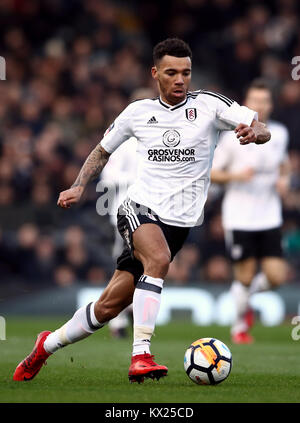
(171, 138)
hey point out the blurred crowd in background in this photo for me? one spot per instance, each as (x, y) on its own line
(71, 67)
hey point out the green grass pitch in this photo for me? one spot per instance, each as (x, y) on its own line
(95, 370)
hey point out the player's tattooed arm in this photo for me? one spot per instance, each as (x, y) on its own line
(262, 133)
(90, 170)
(92, 167)
(257, 133)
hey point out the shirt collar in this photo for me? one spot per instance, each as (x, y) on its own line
(168, 106)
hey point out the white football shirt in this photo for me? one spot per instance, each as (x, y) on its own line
(175, 150)
(253, 205)
(122, 164)
(118, 174)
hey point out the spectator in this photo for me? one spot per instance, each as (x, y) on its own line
(72, 67)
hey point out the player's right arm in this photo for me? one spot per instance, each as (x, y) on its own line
(257, 132)
(91, 169)
(244, 121)
(115, 135)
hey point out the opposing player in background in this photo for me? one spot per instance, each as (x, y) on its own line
(177, 134)
(254, 179)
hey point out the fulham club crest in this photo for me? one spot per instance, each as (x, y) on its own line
(191, 114)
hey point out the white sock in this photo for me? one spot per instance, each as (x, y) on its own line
(80, 326)
(240, 294)
(259, 283)
(146, 303)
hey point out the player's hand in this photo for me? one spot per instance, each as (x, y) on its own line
(69, 197)
(245, 134)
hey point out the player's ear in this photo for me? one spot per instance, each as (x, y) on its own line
(154, 72)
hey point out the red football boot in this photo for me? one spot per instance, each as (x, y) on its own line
(142, 366)
(242, 338)
(31, 365)
(249, 317)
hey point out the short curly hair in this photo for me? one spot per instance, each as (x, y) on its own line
(171, 47)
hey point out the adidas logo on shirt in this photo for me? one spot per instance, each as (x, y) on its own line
(152, 120)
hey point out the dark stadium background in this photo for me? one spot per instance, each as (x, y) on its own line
(71, 68)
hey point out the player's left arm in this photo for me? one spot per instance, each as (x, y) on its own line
(257, 133)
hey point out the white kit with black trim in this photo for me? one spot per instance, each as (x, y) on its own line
(175, 150)
(253, 205)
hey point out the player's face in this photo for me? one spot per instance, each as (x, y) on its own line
(173, 75)
(260, 100)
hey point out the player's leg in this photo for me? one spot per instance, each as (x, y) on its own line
(273, 266)
(273, 274)
(152, 250)
(243, 272)
(260, 283)
(275, 270)
(118, 325)
(116, 296)
(150, 247)
(241, 246)
(86, 320)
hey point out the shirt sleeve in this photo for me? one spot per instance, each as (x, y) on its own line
(119, 131)
(229, 117)
(223, 151)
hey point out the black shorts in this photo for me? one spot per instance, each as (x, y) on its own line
(130, 216)
(258, 244)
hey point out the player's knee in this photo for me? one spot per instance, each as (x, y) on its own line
(276, 275)
(158, 265)
(245, 278)
(163, 262)
(277, 279)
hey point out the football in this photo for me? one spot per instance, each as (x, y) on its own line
(207, 361)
